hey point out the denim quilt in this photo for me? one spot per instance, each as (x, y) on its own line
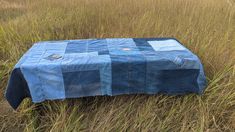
(52, 70)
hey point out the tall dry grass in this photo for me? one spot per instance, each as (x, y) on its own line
(207, 27)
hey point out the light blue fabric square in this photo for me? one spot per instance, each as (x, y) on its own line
(166, 45)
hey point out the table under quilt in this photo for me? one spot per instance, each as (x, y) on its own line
(52, 70)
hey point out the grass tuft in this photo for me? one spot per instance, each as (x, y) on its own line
(207, 27)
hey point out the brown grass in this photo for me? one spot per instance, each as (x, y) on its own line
(207, 27)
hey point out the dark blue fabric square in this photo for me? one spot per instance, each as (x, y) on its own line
(173, 81)
(119, 74)
(128, 74)
(82, 83)
(17, 88)
(143, 45)
(137, 73)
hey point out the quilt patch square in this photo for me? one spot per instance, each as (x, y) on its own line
(166, 45)
(76, 47)
(82, 83)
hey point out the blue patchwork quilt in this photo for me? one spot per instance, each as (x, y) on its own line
(89, 67)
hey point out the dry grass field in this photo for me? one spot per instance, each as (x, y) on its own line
(207, 27)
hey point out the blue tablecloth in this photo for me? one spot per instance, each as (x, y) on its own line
(89, 67)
